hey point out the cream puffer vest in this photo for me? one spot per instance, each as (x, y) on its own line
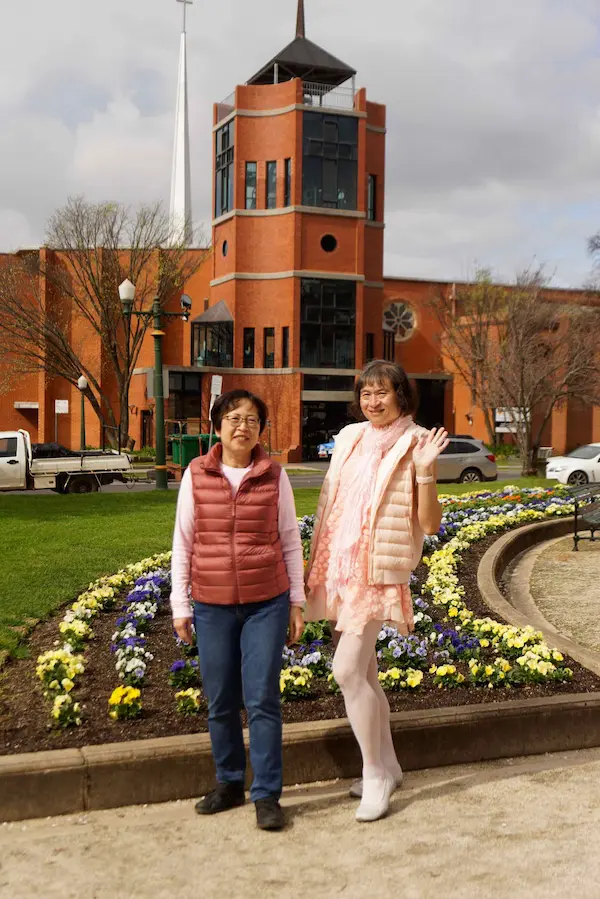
(396, 538)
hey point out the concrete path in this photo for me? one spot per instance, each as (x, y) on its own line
(565, 587)
(517, 828)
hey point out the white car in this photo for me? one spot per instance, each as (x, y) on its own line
(577, 468)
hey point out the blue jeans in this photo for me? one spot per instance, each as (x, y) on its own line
(240, 650)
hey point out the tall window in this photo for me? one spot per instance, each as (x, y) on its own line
(250, 185)
(372, 198)
(212, 344)
(269, 348)
(389, 347)
(248, 347)
(329, 161)
(285, 347)
(369, 347)
(224, 169)
(185, 395)
(327, 323)
(287, 195)
(271, 185)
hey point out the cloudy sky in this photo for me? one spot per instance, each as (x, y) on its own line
(493, 115)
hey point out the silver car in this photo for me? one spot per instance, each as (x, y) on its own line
(467, 460)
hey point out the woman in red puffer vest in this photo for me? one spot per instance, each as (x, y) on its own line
(237, 573)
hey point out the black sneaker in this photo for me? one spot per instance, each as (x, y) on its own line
(269, 814)
(222, 798)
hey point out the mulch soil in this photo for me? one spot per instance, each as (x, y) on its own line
(24, 713)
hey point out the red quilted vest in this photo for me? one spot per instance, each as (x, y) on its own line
(237, 555)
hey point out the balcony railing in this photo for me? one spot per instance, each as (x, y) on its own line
(324, 96)
(321, 96)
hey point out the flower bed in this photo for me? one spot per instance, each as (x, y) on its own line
(455, 655)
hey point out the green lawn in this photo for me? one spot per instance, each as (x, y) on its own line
(54, 546)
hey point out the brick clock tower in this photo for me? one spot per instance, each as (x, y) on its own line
(297, 284)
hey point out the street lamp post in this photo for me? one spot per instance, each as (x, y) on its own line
(82, 384)
(127, 296)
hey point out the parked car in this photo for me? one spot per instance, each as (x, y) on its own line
(577, 468)
(467, 461)
(325, 450)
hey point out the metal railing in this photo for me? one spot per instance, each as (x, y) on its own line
(324, 96)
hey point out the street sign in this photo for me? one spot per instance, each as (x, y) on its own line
(216, 385)
(61, 407)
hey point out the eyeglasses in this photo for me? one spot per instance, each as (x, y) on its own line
(236, 420)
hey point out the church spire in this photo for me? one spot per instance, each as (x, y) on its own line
(180, 209)
(300, 21)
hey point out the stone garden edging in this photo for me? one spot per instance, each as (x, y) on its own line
(71, 781)
(520, 609)
(67, 781)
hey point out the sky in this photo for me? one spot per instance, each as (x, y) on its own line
(493, 116)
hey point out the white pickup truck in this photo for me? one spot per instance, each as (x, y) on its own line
(24, 466)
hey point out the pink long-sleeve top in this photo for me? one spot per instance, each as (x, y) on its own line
(183, 540)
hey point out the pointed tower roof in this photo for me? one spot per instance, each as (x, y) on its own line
(304, 59)
(180, 207)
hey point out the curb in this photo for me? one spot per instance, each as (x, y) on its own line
(522, 610)
(67, 781)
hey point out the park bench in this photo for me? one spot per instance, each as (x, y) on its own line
(587, 511)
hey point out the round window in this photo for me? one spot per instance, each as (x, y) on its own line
(400, 319)
(328, 243)
(225, 248)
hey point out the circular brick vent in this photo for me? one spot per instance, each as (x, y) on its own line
(328, 243)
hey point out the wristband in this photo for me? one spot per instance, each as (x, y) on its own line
(425, 480)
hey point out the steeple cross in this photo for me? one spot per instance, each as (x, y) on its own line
(185, 4)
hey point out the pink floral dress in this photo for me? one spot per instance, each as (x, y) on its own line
(358, 603)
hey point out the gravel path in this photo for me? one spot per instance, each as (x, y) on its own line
(565, 587)
(517, 828)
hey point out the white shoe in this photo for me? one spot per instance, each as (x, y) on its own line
(356, 790)
(376, 798)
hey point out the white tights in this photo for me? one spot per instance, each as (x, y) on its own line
(355, 670)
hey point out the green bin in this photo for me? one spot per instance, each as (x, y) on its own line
(185, 447)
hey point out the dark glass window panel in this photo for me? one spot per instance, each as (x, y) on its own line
(344, 151)
(191, 383)
(285, 348)
(250, 185)
(369, 347)
(330, 180)
(287, 198)
(269, 348)
(328, 382)
(212, 345)
(389, 347)
(347, 183)
(313, 124)
(347, 130)
(175, 381)
(466, 448)
(327, 316)
(248, 347)
(271, 199)
(330, 130)
(323, 341)
(371, 197)
(312, 181)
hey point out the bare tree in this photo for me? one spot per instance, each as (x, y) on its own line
(466, 317)
(544, 353)
(90, 249)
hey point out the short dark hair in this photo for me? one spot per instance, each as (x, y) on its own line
(378, 372)
(229, 401)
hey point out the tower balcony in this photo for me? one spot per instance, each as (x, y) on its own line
(314, 95)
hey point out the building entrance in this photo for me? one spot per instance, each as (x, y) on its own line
(430, 397)
(321, 422)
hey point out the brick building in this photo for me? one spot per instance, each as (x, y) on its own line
(292, 300)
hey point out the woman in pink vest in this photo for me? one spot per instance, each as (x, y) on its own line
(378, 500)
(237, 551)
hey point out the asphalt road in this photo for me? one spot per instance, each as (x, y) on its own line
(310, 479)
